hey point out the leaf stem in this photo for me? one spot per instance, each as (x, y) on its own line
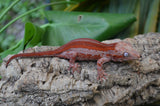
(33, 10)
(8, 8)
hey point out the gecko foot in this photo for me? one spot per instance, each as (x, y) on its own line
(101, 74)
(74, 67)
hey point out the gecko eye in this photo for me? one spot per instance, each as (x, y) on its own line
(125, 54)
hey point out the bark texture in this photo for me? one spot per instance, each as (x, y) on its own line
(46, 81)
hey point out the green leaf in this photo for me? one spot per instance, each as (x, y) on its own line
(122, 6)
(135, 27)
(8, 8)
(158, 25)
(67, 26)
(13, 50)
(144, 8)
(152, 18)
(33, 35)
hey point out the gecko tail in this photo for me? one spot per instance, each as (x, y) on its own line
(39, 54)
(11, 58)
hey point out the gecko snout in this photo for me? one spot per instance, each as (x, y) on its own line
(136, 55)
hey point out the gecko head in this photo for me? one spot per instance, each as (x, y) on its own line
(125, 51)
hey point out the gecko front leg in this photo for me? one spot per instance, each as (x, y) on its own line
(71, 55)
(100, 62)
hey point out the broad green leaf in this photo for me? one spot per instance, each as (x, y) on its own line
(126, 6)
(33, 35)
(67, 26)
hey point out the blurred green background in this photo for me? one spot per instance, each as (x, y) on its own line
(33, 20)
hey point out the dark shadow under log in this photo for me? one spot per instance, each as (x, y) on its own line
(46, 81)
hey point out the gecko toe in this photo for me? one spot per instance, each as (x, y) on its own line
(74, 67)
(101, 75)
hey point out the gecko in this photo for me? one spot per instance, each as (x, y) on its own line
(86, 49)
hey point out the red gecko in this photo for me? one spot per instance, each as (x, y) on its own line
(88, 49)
